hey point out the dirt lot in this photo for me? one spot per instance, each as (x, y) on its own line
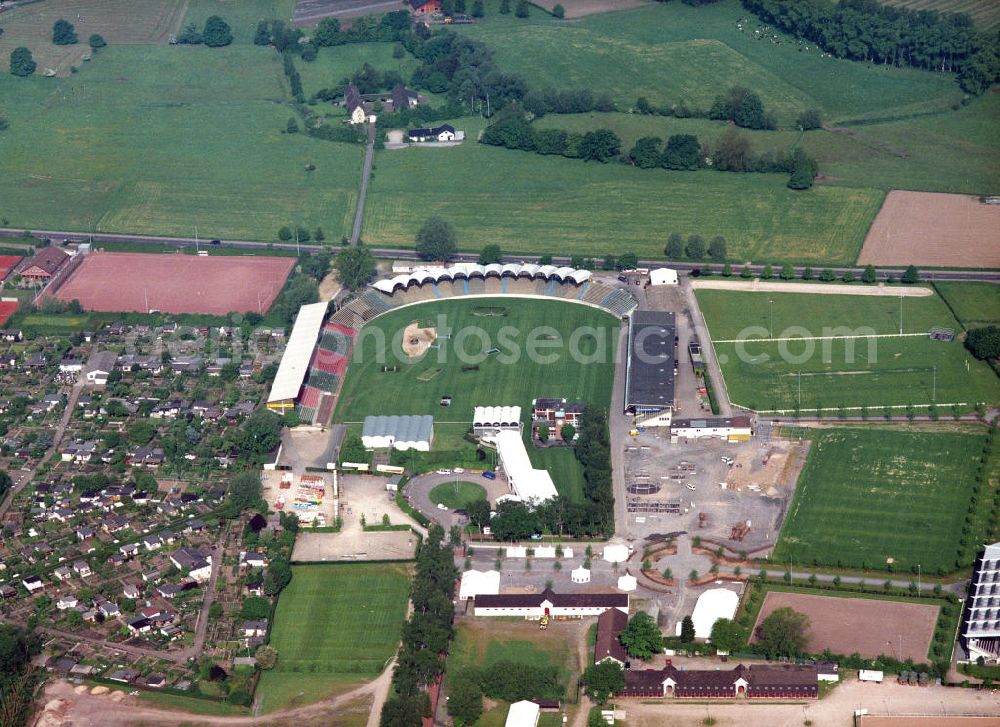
(929, 228)
(836, 710)
(846, 625)
(417, 340)
(779, 467)
(936, 720)
(580, 8)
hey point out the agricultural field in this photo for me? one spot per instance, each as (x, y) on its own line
(455, 495)
(868, 498)
(117, 21)
(975, 304)
(837, 372)
(414, 388)
(326, 638)
(551, 204)
(985, 13)
(333, 65)
(671, 52)
(155, 139)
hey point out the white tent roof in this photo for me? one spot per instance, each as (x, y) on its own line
(615, 553)
(295, 361)
(422, 275)
(528, 483)
(522, 714)
(580, 575)
(663, 276)
(490, 415)
(477, 583)
(711, 606)
(627, 582)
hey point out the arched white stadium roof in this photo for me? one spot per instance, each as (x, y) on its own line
(438, 274)
(711, 606)
(496, 415)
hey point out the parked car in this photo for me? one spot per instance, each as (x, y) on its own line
(442, 506)
(458, 470)
(489, 475)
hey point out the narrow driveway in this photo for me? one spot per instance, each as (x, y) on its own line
(712, 368)
(366, 173)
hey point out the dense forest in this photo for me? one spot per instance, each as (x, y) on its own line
(865, 30)
(17, 678)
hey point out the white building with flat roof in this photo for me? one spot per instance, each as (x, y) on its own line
(528, 483)
(522, 714)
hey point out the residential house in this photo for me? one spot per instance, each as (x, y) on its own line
(198, 564)
(444, 132)
(100, 366)
(81, 568)
(355, 105)
(425, 7)
(70, 364)
(403, 98)
(33, 584)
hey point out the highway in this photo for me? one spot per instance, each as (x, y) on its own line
(406, 254)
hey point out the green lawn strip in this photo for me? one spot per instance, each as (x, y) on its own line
(944, 631)
(568, 206)
(974, 304)
(457, 494)
(865, 496)
(193, 705)
(323, 632)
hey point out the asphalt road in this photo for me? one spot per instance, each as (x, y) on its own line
(406, 254)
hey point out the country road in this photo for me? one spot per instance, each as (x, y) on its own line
(409, 254)
(366, 173)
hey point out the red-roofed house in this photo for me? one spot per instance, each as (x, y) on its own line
(45, 264)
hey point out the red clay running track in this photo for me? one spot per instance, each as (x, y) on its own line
(176, 283)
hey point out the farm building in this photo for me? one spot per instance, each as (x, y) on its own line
(522, 714)
(44, 265)
(735, 429)
(549, 603)
(425, 7)
(479, 583)
(712, 605)
(491, 420)
(981, 621)
(756, 682)
(528, 483)
(608, 646)
(99, 367)
(403, 98)
(355, 105)
(557, 412)
(398, 432)
(445, 132)
(663, 276)
(649, 376)
(295, 361)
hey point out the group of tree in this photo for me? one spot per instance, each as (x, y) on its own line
(694, 248)
(744, 108)
(426, 635)
(784, 633)
(215, 34)
(369, 79)
(983, 343)
(513, 131)
(436, 240)
(874, 32)
(603, 680)
(63, 33)
(566, 101)
(244, 491)
(5, 484)
(641, 637)
(294, 79)
(17, 677)
(510, 681)
(21, 62)
(355, 266)
(593, 450)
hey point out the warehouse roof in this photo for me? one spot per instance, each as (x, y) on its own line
(528, 483)
(409, 428)
(650, 377)
(295, 362)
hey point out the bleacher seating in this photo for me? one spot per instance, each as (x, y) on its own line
(310, 396)
(493, 285)
(476, 286)
(305, 413)
(322, 380)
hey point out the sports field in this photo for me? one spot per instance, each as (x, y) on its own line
(335, 626)
(7, 309)
(530, 203)
(121, 281)
(975, 304)
(507, 378)
(834, 371)
(864, 626)
(867, 497)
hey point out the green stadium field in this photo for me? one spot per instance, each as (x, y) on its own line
(837, 372)
(328, 636)
(498, 380)
(869, 495)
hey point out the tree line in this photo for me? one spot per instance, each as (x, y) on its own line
(425, 635)
(869, 31)
(17, 677)
(510, 681)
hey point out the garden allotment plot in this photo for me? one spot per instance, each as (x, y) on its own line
(833, 371)
(866, 496)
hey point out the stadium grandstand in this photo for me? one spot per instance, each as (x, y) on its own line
(650, 369)
(470, 279)
(295, 361)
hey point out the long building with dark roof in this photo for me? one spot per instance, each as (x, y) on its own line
(651, 366)
(549, 603)
(760, 681)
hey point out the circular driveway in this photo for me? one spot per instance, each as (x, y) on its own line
(418, 490)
